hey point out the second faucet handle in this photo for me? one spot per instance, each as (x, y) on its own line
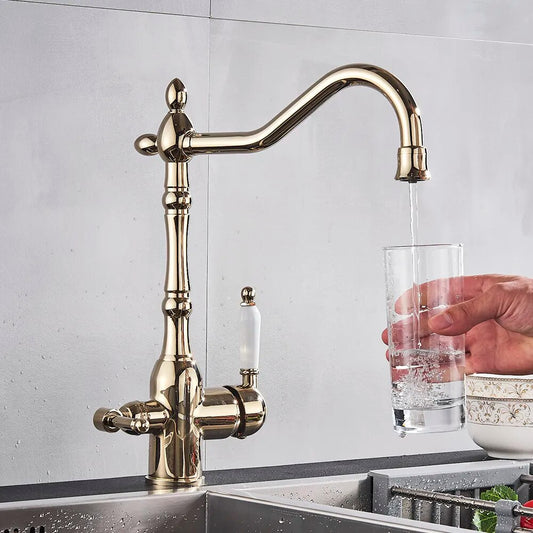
(250, 325)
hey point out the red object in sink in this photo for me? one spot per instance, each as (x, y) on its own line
(526, 522)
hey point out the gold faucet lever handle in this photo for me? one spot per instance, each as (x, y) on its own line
(135, 418)
(146, 144)
(250, 323)
(103, 419)
(111, 420)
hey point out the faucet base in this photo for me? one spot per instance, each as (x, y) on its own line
(174, 483)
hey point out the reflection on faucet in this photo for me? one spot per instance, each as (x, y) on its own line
(181, 411)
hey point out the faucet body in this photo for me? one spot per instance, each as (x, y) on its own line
(181, 411)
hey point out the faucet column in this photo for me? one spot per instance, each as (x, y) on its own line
(177, 305)
(180, 411)
(175, 382)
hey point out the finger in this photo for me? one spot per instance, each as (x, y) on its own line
(443, 291)
(409, 330)
(462, 317)
(431, 291)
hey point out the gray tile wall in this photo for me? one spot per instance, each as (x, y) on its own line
(81, 221)
(82, 232)
(486, 20)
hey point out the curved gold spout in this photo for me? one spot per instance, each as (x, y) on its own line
(411, 154)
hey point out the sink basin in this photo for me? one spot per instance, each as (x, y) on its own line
(361, 502)
(133, 512)
(338, 503)
(347, 492)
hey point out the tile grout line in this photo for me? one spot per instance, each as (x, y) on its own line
(287, 24)
(102, 8)
(343, 28)
(207, 212)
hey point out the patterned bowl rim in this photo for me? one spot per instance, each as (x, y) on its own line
(492, 399)
(499, 377)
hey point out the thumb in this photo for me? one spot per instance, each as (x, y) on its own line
(460, 318)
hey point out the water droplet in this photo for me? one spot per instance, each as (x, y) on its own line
(281, 521)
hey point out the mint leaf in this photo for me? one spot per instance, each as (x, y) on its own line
(486, 520)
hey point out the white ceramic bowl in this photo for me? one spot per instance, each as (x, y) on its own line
(499, 414)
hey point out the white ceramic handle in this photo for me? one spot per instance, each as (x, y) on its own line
(250, 336)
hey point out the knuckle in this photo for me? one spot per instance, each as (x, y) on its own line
(463, 311)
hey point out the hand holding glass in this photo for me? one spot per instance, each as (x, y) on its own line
(427, 369)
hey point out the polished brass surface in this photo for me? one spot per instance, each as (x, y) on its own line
(218, 416)
(134, 418)
(181, 411)
(249, 377)
(247, 296)
(253, 410)
(411, 157)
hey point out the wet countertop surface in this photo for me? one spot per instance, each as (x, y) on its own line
(225, 477)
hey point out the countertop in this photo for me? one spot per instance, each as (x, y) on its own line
(225, 477)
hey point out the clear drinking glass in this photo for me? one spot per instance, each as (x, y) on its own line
(427, 369)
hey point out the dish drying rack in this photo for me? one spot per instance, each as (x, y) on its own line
(450, 494)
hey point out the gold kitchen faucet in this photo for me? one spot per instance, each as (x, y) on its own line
(181, 411)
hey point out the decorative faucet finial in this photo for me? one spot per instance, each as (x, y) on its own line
(247, 295)
(175, 125)
(176, 95)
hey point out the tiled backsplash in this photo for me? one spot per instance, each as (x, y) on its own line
(304, 222)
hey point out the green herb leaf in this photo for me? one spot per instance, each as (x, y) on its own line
(486, 520)
(499, 492)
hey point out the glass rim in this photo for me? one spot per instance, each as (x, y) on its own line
(421, 246)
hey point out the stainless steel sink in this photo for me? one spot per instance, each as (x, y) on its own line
(314, 504)
(347, 492)
(335, 503)
(133, 512)
(338, 503)
(366, 502)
